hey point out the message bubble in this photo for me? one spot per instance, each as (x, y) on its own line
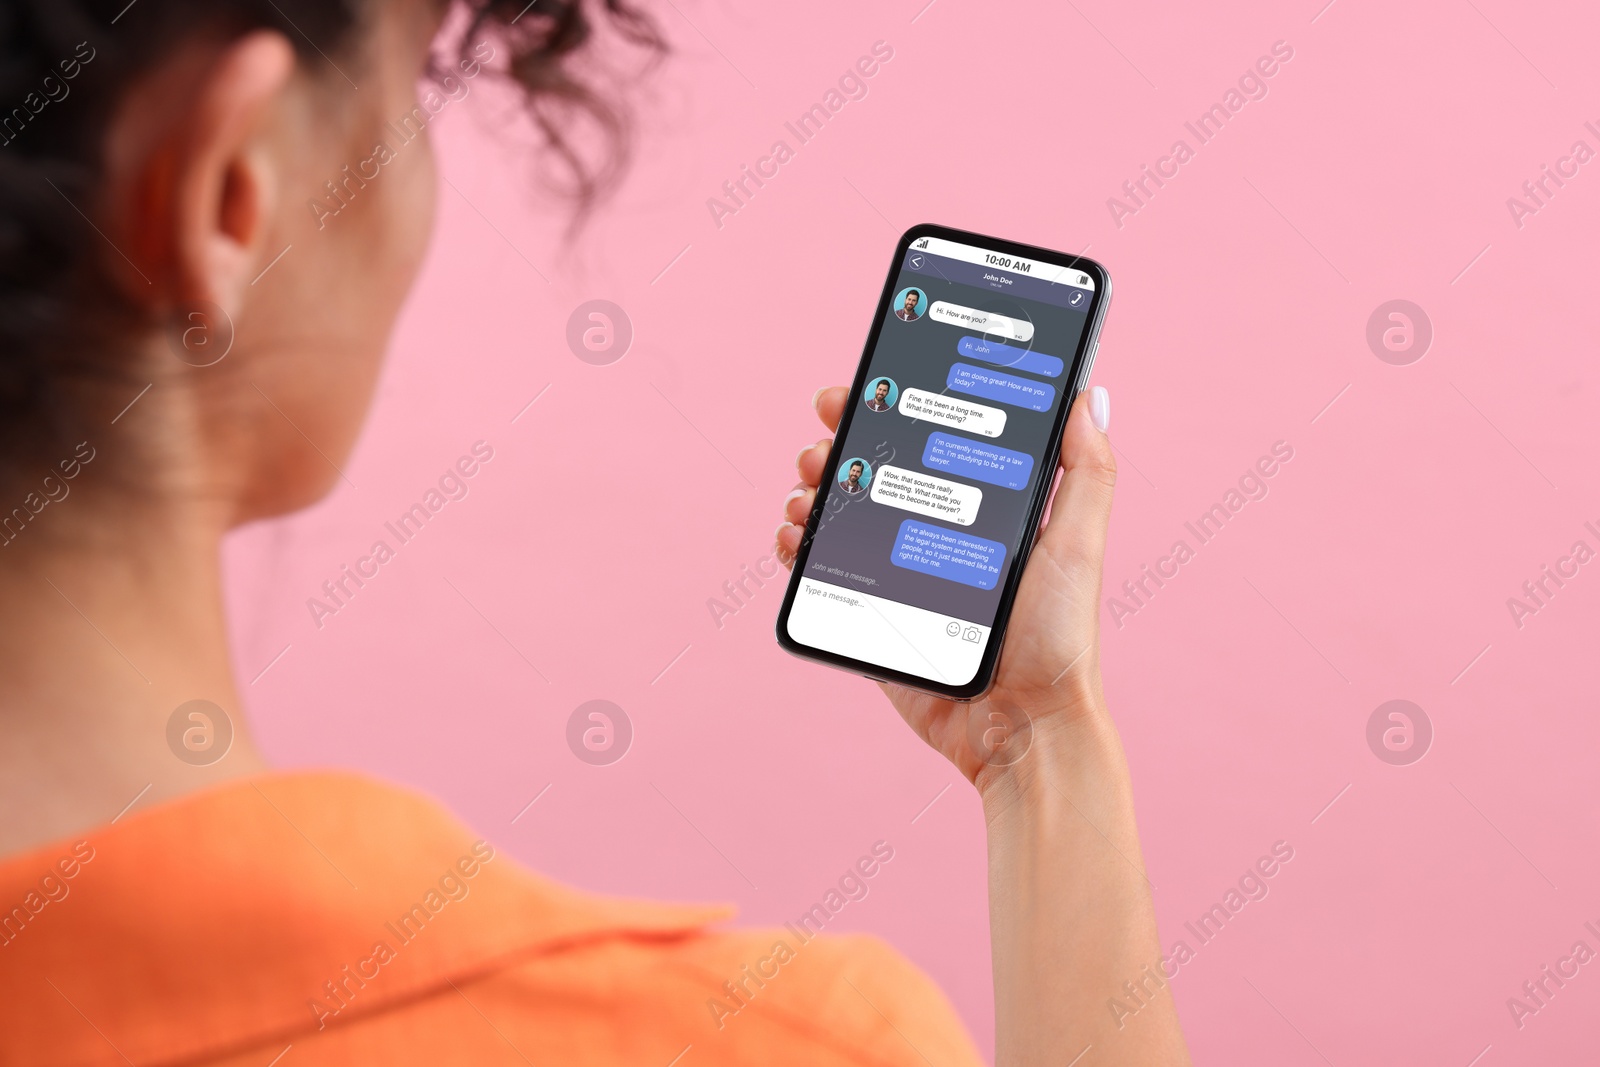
(949, 554)
(927, 495)
(986, 322)
(1010, 356)
(980, 419)
(978, 460)
(992, 385)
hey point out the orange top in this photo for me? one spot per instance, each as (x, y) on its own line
(328, 919)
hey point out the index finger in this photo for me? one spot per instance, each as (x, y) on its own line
(829, 403)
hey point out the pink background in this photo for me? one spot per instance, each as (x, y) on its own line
(1378, 167)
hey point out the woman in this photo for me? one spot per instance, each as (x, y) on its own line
(163, 378)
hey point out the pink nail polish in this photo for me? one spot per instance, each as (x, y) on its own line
(1100, 408)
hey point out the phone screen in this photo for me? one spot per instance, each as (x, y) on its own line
(943, 459)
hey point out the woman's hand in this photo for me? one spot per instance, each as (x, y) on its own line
(1049, 674)
(1071, 921)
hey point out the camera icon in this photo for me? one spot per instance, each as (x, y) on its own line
(971, 635)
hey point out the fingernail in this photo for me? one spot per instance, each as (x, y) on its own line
(778, 533)
(1100, 408)
(801, 456)
(792, 496)
(816, 398)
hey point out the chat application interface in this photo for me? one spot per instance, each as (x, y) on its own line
(941, 459)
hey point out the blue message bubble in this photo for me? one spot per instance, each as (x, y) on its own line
(1010, 356)
(958, 557)
(992, 385)
(978, 460)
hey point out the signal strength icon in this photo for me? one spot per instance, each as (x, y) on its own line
(922, 243)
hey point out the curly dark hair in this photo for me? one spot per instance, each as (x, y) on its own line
(51, 261)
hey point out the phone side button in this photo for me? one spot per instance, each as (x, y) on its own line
(1088, 365)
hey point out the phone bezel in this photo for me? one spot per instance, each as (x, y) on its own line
(1075, 379)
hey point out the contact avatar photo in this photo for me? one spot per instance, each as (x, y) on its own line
(910, 305)
(881, 394)
(855, 475)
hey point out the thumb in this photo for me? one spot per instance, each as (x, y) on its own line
(1075, 539)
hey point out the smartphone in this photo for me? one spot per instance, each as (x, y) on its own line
(944, 460)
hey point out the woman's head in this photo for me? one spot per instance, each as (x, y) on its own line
(183, 180)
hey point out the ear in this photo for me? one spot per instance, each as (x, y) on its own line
(205, 185)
